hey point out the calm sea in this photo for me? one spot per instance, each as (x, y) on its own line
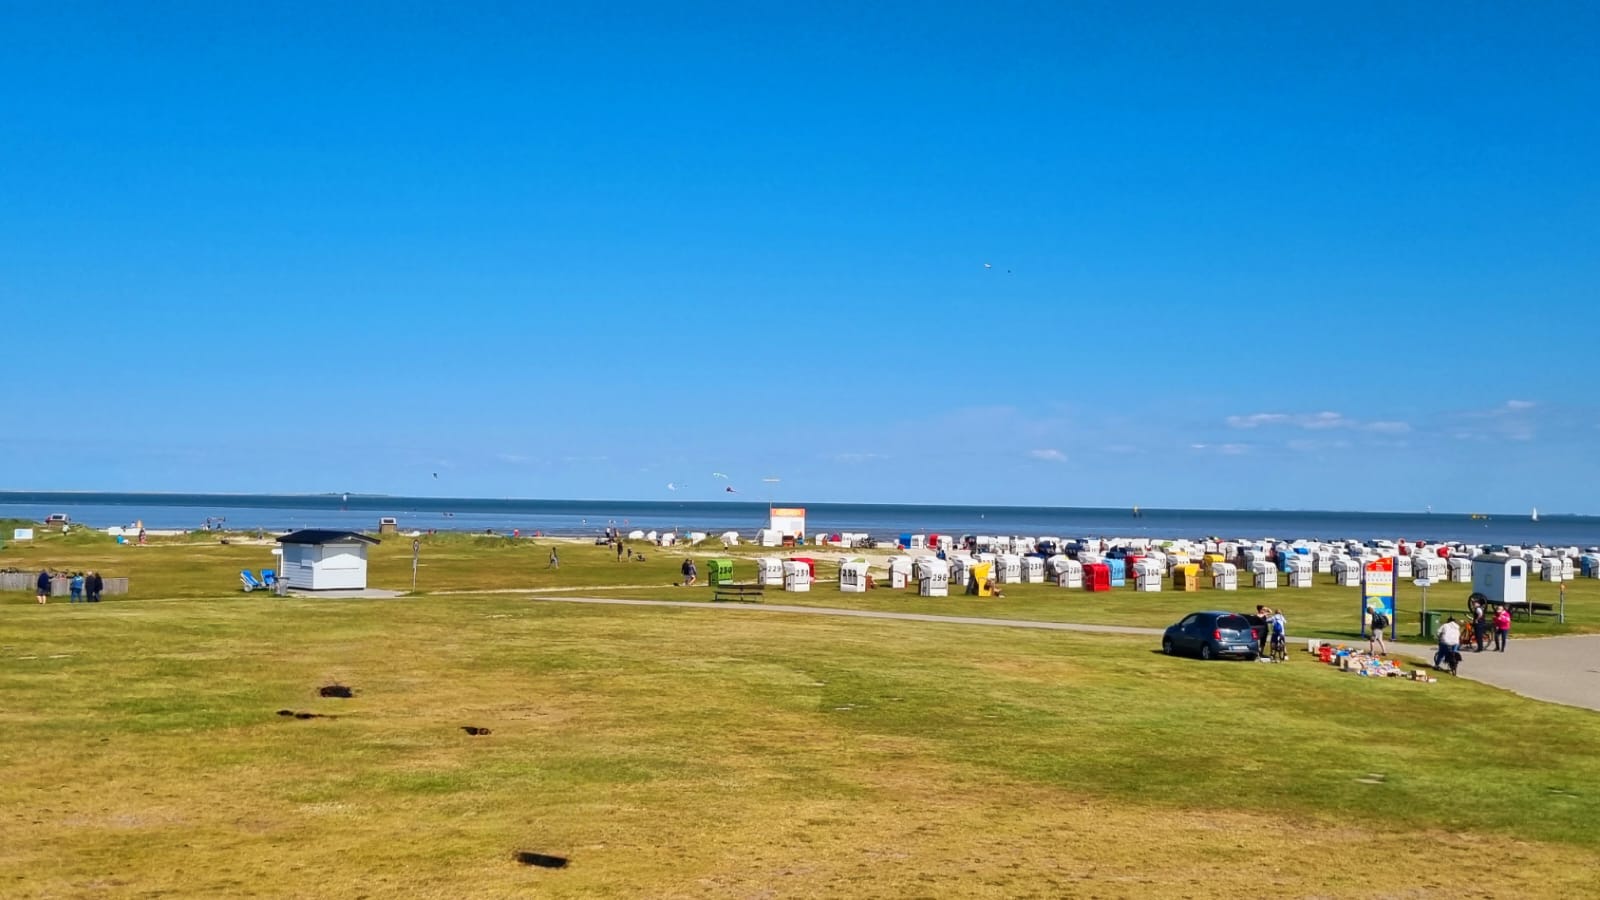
(582, 517)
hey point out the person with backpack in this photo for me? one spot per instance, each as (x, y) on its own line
(1278, 632)
(1375, 644)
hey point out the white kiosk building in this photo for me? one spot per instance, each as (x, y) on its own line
(1501, 578)
(321, 560)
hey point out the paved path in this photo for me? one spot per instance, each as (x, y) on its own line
(1558, 670)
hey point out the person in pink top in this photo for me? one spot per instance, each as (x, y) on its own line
(1502, 628)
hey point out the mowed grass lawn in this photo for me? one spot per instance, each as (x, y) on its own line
(685, 752)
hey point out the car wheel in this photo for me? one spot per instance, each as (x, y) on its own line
(1205, 651)
(1166, 646)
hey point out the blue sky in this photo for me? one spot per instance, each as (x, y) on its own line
(1247, 255)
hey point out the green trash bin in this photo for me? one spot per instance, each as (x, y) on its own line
(1430, 622)
(719, 571)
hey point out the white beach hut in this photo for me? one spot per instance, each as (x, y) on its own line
(1300, 571)
(899, 571)
(1052, 566)
(1147, 575)
(1431, 568)
(769, 572)
(322, 560)
(730, 539)
(1402, 567)
(1550, 569)
(1008, 569)
(1032, 570)
(1347, 572)
(1568, 571)
(1225, 576)
(1460, 569)
(1090, 557)
(1070, 575)
(796, 576)
(636, 535)
(1501, 578)
(1323, 559)
(1589, 565)
(934, 578)
(961, 569)
(853, 577)
(1265, 575)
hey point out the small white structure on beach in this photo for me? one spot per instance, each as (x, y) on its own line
(1501, 578)
(933, 578)
(1432, 568)
(1323, 560)
(730, 539)
(320, 560)
(1052, 566)
(1550, 569)
(853, 578)
(769, 572)
(636, 535)
(1070, 575)
(961, 569)
(1460, 569)
(1033, 570)
(1089, 557)
(899, 571)
(796, 576)
(1347, 572)
(1008, 569)
(769, 537)
(1225, 576)
(1300, 571)
(1568, 572)
(1147, 575)
(1265, 574)
(1402, 566)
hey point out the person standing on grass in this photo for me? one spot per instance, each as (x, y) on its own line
(555, 560)
(1375, 644)
(77, 587)
(1481, 625)
(44, 586)
(619, 548)
(93, 585)
(1502, 628)
(1449, 642)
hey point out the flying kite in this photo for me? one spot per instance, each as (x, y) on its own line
(730, 490)
(719, 475)
(671, 486)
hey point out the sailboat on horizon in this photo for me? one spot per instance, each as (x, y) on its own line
(1535, 516)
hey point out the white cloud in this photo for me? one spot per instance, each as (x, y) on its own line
(856, 457)
(515, 459)
(1224, 449)
(1048, 455)
(1520, 404)
(1325, 420)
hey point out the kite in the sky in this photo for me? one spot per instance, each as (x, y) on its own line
(730, 490)
(671, 486)
(719, 475)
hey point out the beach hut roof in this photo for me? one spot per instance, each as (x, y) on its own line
(325, 536)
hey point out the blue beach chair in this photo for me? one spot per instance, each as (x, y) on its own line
(269, 578)
(250, 582)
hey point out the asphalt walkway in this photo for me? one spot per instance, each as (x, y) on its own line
(1557, 670)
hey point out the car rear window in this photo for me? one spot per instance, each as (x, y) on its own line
(1233, 623)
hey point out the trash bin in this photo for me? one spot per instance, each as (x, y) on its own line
(719, 571)
(1430, 623)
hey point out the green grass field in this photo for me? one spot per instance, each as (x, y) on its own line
(685, 752)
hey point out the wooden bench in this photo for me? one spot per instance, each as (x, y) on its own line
(744, 593)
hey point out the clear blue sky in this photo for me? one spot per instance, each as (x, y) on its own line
(1253, 255)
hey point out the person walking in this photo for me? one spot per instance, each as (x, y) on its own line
(77, 587)
(44, 586)
(1502, 628)
(555, 560)
(1375, 644)
(93, 585)
(688, 571)
(619, 548)
(1449, 635)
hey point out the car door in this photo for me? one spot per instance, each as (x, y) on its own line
(1189, 632)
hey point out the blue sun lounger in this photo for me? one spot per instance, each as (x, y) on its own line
(250, 582)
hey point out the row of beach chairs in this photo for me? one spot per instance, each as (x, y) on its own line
(267, 581)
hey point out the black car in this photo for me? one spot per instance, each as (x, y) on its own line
(1212, 634)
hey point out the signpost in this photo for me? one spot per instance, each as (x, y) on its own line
(1424, 584)
(416, 552)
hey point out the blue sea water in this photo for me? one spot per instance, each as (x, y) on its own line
(584, 517)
